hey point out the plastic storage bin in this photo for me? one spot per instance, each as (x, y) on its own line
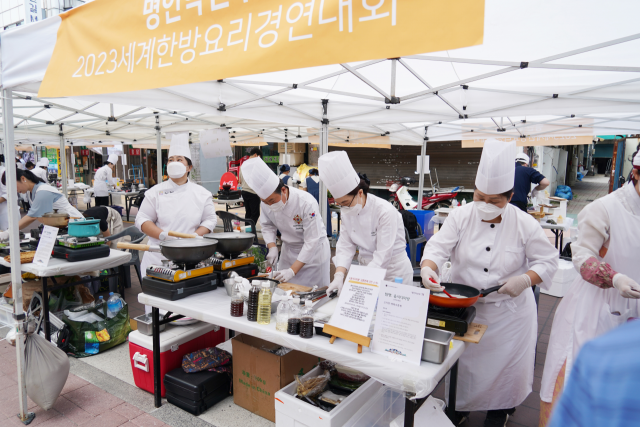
(292, 412)
(6, 314)
(424, 219)
(175, 342)
(380, 410)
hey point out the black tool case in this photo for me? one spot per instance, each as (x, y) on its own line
(173, 291)
(196, 392)
(80, 254)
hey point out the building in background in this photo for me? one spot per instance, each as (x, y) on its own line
(12, 12)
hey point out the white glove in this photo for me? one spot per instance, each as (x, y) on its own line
(363, 261)
(338, 282)
(427, 273)
(535, 193)
(4, 235)
(272, 256)
(197, 236)
(627, 287)
(515, 285)
(164, 236)
(284, 275)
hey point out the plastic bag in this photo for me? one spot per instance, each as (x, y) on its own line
(46, 371)
(88, 338)
(311, 387)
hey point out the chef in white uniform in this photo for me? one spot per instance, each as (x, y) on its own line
(369, 223)
(490, 243)
(305, 248)
(103, 180)
(4, 210)
(41, 169)
(43, 199)
(177, 204)
(606, 292)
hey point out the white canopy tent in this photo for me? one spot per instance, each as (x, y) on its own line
(570, 66)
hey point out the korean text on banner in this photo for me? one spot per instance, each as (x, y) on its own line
(215, 143)
(126, 45)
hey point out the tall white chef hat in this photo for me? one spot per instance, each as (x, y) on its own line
(496, 171)
(113, 159)
(337, 173)
(43, 162)
(259, 177)
(180, 145)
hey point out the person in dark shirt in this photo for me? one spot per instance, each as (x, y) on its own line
(110, 221)
(525, 176)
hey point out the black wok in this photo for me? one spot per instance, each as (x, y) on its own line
(231, 243)
(181, 251)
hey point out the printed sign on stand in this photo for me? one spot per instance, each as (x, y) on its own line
(357, 302)
(400, 322)
(45, 245)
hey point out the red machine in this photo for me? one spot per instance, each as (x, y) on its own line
(431, 199)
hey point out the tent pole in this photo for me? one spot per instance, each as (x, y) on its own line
(16, 274)
(159, 150)
(324, 149)
(423, 152)
(63, 163)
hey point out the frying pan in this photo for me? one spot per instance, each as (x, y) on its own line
(471, 294)
(231, 243)
(181, 251)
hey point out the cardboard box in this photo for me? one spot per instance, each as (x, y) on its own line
(259, 374)
(291, 159)
(292, 148)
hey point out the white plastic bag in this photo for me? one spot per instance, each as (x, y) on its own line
(11, 336)
(47, 369)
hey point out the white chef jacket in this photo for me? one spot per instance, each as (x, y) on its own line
(4, 211)
(304, 237)
(41, 173)
(586, 310)
(497, 373)
(378, 232)
(102, 181)
(172, 207)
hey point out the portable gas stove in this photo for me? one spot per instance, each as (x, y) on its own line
(79, 242)
(173, 281)
(228, 263)
(229, 194)
(456, 320)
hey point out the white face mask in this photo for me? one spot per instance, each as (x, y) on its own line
(487, 211)
(176, 170)
(278, 206)
(352, 210)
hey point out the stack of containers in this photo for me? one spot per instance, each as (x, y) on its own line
(175, 343)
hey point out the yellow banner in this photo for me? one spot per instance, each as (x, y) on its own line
(108, 46)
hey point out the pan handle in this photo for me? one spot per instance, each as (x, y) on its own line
(135, 246)
(181, 235)
(486, 292)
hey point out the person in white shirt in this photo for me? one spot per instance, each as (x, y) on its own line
(177, 204)
(370, 224)
(305, 248)
(493, 243)
(103, 181)
(606, 293)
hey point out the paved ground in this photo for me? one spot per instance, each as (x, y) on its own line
(100, 390)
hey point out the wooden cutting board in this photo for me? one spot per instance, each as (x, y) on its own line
(474, 333)
(293, 287)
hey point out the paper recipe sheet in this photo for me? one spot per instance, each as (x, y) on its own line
(400, 322)
(45, 245)
(358, 299)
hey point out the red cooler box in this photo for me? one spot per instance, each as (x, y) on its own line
(175, 342)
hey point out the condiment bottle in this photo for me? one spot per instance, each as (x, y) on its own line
(264, 304)
(282, 316)
(252, 304)
(237, 303)
(293, 324)
(306, 320)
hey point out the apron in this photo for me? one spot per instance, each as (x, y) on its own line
(587, 311)
(313, 188)
(313, 273)
(62, 204)
(400, 266)
(177, 211)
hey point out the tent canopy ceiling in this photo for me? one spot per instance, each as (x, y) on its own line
(546, 67)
